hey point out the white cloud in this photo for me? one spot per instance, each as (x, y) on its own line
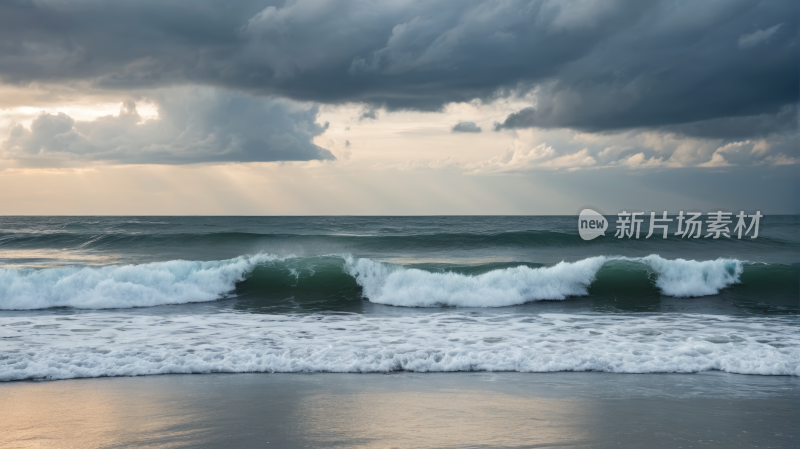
(717, 160)
(757, 37)
(639, 160)
(539, 157)
(781, 159)
(760, 147)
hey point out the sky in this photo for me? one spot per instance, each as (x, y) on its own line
(398, 107)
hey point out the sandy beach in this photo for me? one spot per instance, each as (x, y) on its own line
(570, 410)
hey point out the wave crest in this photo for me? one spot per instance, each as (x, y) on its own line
(181, 281)
(690, 278)
(393, 285)
(125, 286)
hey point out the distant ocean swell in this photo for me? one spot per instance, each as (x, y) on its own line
(98, 344)
(494, 285)
(120, 241)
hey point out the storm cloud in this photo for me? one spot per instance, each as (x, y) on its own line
(466, 127)
(713, 68)
(194, 125)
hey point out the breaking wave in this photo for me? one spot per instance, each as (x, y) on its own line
(181, 281)
(399, 286)
(153, 284)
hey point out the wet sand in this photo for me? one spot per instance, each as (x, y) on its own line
(565, 410)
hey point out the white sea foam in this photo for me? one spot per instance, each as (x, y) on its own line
(394, 285)
(95, 344)
(180, 281)
(398, 286)
(687, 278)
(123, 286)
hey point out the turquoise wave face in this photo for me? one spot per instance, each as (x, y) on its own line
(271, 283)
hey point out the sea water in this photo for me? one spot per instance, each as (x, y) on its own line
(122, 296)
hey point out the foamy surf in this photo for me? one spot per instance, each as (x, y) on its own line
(181, 281)
(397, 286)
(691, 278)
(125, 286)
(98, 344)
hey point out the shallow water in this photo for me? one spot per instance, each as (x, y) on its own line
(573, 410)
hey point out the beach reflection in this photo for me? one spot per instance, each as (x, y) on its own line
(442, 418)
(283, 411)
(79, 414)
(516, 410)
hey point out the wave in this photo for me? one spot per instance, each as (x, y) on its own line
(397, 286)
(690, 278)
(173, 282)
(107, 344)
(346, 279)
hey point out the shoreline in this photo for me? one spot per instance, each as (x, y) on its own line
(398, 372)
(487, 409)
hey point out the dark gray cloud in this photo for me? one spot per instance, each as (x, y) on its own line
(194, 125)
(370, 113)
(466, 127)
(595, 64)
(782, 121)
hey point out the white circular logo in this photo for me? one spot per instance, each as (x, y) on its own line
(591, 224)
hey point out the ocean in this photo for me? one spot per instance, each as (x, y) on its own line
(132, 296)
